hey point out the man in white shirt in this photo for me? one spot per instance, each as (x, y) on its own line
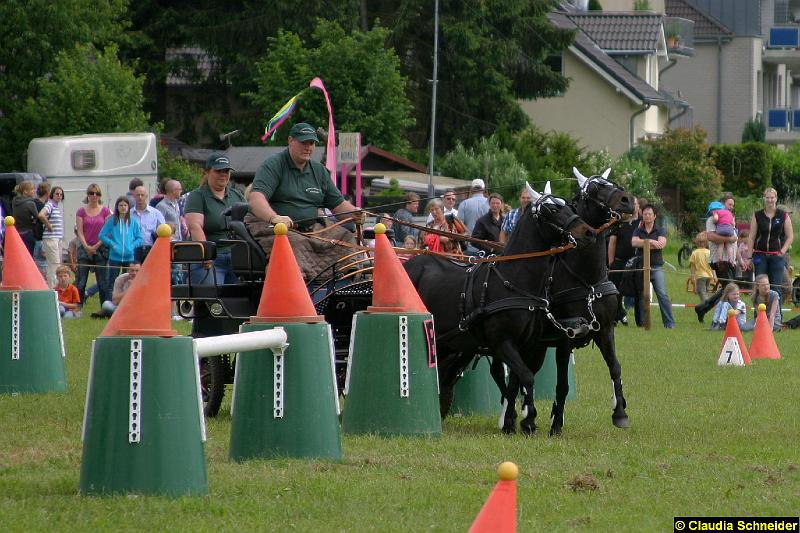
(168, 206)
(449, 201)
(149, 218)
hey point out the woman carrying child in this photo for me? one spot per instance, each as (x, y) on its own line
(730, 300)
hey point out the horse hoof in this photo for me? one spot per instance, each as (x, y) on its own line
(621, 422)
(509, 429)
(527, 430)
(555, 432)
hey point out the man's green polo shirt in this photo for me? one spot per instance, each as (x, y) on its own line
(293, 192)
(202, 200)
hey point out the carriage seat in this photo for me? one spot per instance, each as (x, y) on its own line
(247, 255)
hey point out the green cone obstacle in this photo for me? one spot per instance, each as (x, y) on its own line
(31, 342)
(546, 378)
(32, 347)
(143, 430)
(475, 392)
(143, 427)
(286, 405)
(392, 382)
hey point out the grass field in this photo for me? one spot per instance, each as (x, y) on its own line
(704, 441)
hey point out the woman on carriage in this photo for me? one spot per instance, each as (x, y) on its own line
(442, 222)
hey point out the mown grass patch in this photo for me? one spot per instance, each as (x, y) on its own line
(704, 440)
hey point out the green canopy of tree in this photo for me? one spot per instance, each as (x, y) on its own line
(361, 75)
(235, 35)
(491, 54)
(692, 176)
(35, 32)
(89, 91)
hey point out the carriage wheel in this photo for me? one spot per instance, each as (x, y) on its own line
(213, 372)
(684, 254)
(796, 292)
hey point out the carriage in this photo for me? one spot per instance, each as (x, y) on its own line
(221, 309)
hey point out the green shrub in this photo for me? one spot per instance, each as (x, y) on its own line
(786, 172)
(754, 130)
(746, 167)
(548, 156)
(747, 205)
(497, 166)
(636, 177)
(394, 190)
(680, 161)
(174, 167)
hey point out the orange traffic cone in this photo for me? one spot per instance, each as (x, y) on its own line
(763, 344)
(393, 291)
(285, 296)
(732, 331)
(145, 309)
(499, 513)
(19, 271)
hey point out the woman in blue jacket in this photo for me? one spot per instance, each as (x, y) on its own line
(122, 235)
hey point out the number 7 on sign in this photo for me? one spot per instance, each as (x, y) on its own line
(731, 353)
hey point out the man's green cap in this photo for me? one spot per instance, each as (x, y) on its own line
(303, 132)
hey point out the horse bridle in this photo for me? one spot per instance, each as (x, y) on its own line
(613, 217)
(586, 197)
(563, 230)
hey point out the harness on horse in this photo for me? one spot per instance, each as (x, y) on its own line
(574, 327)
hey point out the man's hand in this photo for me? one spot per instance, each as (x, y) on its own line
(280, 218)
(359, 217)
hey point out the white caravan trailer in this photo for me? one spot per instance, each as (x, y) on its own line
(109, 159)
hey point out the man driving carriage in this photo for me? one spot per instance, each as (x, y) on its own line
(290, 187)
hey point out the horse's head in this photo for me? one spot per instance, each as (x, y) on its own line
(559, 223)
(600, 200)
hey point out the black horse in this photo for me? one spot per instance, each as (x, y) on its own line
(579, 287)
(495, 306)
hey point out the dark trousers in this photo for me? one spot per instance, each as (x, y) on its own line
(96, 263)
(140, 254)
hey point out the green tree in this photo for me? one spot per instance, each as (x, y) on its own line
(89, 91)
(35, 32)
(235, 34)
(362, 77)
(491, 54)
(680, 161)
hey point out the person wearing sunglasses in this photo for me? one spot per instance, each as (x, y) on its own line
(92, 254)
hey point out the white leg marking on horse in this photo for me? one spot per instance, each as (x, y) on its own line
(613, 395)
(501, 421)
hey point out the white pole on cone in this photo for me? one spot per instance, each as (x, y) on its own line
(274, 339)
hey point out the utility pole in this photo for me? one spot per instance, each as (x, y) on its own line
(433, 98)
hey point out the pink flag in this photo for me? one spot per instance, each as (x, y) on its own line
(330, 156)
